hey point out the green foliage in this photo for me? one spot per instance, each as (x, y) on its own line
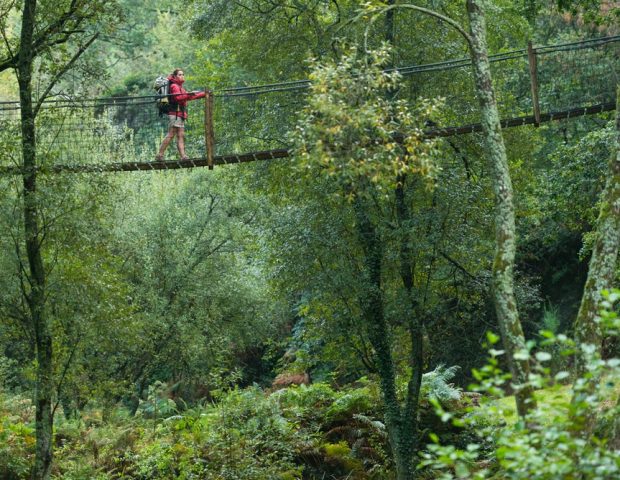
(7, 370)
(349, 131)
(340, 453)
(157, 404)
(353, 402)
(249, 434)
(244, 437)
(551, 442)
(576, 172)
(435, 384)
(550, 320)
(17, 437)
(165, 289)
(199, 314)
(354, 436)
(597, 11)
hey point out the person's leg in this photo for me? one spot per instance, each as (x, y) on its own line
(164, 144)
(181, 142)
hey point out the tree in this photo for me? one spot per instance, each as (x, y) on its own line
(602, 273)
(602, 269)
(346, 136)
(505, 236)
(199, 295)
(43, 29)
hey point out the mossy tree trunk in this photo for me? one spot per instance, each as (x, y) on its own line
(415, 325)
(604, 261)
(601, 274)
(505, 234)
(406, 444)
(32, 234)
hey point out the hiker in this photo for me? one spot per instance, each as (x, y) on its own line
(177, 113)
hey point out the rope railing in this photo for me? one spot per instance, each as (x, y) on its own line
(248, 123)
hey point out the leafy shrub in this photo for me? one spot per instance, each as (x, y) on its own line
(157, 403)
(551, 442)
(17, 437)
(353, 442)
(340, 454)
(244, 437)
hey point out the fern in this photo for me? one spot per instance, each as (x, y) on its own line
(435, 384)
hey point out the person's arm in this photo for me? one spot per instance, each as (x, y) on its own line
(197, 95)
(178, 97)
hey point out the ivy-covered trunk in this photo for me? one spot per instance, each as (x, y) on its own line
(378, 334)
(32, 235)
(415, 326)
(505, 235)
(409, 416)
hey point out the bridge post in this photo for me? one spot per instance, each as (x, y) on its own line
(533, 63)
(209, 130)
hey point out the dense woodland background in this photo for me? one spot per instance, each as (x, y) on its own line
(185, 307)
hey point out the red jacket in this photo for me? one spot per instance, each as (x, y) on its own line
(179, 96)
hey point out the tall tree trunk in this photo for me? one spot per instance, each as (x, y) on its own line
(601, 275)
(36, 298)
(602, 269)
(378, 334)
(414, 325)
(505, 235)
(408, 414)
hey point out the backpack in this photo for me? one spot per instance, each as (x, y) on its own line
(162, 86)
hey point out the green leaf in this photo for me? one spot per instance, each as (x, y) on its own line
(543, 356)
(492, 338)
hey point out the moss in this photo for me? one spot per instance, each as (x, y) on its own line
(602, 268)
(340, 453)
(505, 236)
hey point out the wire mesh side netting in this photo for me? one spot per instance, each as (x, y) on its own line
(569, 76)
(256, 120)
(100, 132)
(578, 75)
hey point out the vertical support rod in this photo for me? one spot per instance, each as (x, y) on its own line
(209, 131)
(533, 62)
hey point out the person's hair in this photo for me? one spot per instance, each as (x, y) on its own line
(176, 70)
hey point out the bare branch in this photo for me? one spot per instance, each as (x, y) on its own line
(422, 10)
(62, 71)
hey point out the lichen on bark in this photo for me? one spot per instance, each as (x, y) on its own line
(505, 232)
(604, 260)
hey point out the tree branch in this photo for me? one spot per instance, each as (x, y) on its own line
(62, 377)
(422, 10)
(62, 71)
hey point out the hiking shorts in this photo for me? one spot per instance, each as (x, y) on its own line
(177, 122)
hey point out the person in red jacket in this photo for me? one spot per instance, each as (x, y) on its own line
(177, 114)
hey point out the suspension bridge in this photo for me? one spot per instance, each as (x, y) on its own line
(534, 85)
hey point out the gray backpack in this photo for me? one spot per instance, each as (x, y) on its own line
(162, 86)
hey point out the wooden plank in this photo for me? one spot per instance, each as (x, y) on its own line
(533, 63)
(209, 130)
(520, 121)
